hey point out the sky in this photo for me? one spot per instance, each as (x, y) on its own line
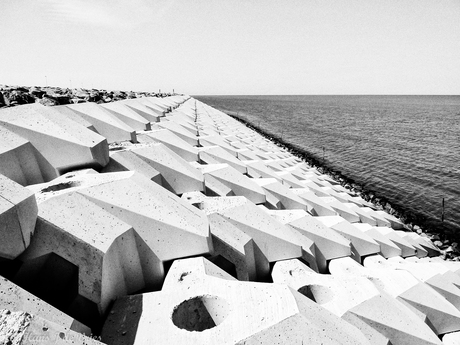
(234, 47)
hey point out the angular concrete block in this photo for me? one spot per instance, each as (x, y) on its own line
(234, 245)
(174, 142)
(288, 200)
(240, 184)
(15, 299)
(18, 214)
(19, 327)
(216, 154)
(105, 122)
(200, 304)
(129, 161)
(357, 300)
(63, 143)
(179, 175)
(440, 315)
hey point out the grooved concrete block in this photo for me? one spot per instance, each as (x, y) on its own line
(14, 298)
(329, 244)
(150, 113)
(234, 245)
(180, 131)
(240, 184)
(174, 142)
(216, 154)
(21, 162)
(62, 142)
(18, 214)
(217, 140)
(358, 301)
(288, 200)
(407, 249)
(105, 122)
(274, 240)
(106, 250)
(256, 168)
(128, 112)
(315, 205)
(362, 244)
(129, 161)
(178, 175)
(441, 315)
(201, 304)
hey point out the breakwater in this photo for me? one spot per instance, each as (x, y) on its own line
(401, 150)
(165, 220)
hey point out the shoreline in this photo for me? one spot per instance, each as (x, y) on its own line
(446, 238)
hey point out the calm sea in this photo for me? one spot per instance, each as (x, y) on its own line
(403, 148)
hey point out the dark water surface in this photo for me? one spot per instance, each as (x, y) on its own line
(404, 148)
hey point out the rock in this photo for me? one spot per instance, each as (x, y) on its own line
(48, 101)
(438, 243)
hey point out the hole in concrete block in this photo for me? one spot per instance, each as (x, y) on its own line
(200, 313)
(317, 293)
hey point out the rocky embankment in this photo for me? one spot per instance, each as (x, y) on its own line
(50, 95)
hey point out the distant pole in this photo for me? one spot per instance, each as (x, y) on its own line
(46, 80)
(323, 155)
(442, 214)
(70, 83)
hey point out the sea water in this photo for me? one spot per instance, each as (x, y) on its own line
(403, 148)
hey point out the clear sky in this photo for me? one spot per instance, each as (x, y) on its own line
(203, 47)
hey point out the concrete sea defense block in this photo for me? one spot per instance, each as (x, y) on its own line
(16, 299)
(201, 304)
(174, 142)
(64, 144)
(18, 214)
(22, 328)
(21, 162)
(358, 301)
(105, 122)
(240, 184)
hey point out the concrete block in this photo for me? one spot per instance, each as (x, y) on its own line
(200, 304)
(356, 300)
(240, 184)
(15, 299)
(234, 245)
(18, 214)
(288, 200)
(151, 113)
(128, 116)
(129, 112)
(440, 315)
(104, 248)
(407, 249)
(107, 124)
(179, 175)
(180, 131)
(217, 140)
(21, 162)
(328, 243)
(64, 144)
(257, 169)
(19, 327)
(274, 240)
(341, 209)
(216, 154)
(361, 244)
(129, 161)
(174, 142)
(315, 205)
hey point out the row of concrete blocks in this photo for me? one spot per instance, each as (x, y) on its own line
(199, 183)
